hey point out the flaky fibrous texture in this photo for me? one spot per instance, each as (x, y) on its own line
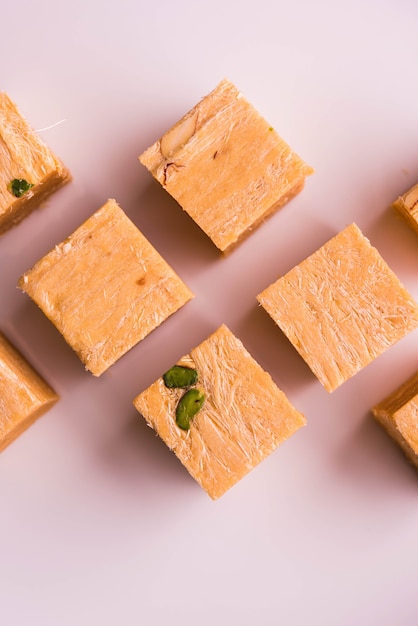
(105, 287)
(398, 414)
(407, 206)
(341, 307)
(23, 154)
(244, 418)
(24, 394)
(226, 166)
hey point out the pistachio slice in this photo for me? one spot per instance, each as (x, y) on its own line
(19, 186)
(180, 376)
(189, 404)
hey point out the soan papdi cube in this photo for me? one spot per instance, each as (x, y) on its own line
(24, 395)
(407, 206)
(341, 307)
(226, 166)
(29, 171)
(105, 288)
(398, 414)
(219, 411)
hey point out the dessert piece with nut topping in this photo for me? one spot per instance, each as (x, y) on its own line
(226, 166)
(407, 206)
(219, 412)
(24, 394)
(29, 171)
(105, 287)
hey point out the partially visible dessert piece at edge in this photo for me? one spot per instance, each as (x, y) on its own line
(407, 206)
(105, 287)
(24, 394)
(398, 414)
(29, 171)
(341, 307)
(219, 412)
(226, 166)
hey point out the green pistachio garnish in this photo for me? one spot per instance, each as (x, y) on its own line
(189, 404)
(19, 186)
(180, 376)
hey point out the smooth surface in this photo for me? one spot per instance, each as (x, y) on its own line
(99, 523)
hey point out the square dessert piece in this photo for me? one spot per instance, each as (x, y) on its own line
(29, 171)
(105, 288)
(398, 414)
(24, 395)
(407, 206)
(219, 411)
(226, 166)
(341, 307)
